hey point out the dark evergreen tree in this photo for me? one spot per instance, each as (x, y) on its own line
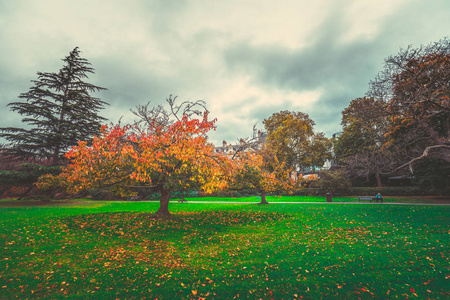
(59, 111)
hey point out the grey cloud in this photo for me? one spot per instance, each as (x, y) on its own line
(340, 70)
(325, 63)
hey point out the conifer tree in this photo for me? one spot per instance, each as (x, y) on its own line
(59, 111)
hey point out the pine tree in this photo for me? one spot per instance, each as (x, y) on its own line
(59, 112)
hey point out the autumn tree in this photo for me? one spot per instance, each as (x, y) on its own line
(165, 150)
(257, 167)
(415, 84)
(360, 147)
(291, 135)
(58, 111)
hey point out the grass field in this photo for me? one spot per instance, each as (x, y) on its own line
(115, 250)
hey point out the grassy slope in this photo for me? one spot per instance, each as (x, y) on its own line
(284, 251)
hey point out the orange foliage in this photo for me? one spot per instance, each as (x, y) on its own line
(170, 157)
(260, 169)
(421, 96)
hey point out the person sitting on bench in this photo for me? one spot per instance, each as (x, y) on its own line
(378, 197)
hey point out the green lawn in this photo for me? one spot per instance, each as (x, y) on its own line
(114, 250)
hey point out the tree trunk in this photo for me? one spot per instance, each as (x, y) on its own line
(378, 178)
(263, 198)
(163, 210)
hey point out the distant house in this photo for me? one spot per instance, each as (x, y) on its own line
(332, 163)
(230, 149)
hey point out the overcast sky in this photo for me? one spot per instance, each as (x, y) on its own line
(246, 59)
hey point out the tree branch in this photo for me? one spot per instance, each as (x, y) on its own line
(424, 154)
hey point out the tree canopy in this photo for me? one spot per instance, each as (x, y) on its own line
(360, 146)
(292, 137)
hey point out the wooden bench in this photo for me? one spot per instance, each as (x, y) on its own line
(369, 198)
(182, 200)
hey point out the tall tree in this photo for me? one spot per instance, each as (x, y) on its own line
(415, 84)
(166, 150)
(291, 135)
(360, 146)
(58, 110)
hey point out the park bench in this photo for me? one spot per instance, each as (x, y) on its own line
(365, 198)
(368, 198)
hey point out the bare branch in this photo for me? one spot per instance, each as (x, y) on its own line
(151, 118)
(425, 153)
